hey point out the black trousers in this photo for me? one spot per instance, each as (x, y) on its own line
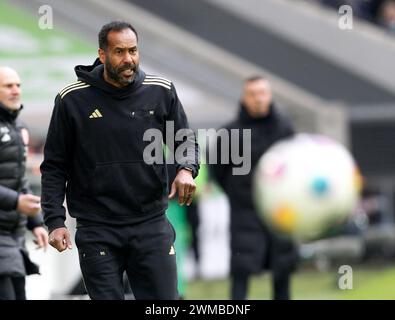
(145, 251)
(12, 288)
(280, 286)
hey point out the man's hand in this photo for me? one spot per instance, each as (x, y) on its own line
(60, 239)
(185, 185)
(41, 235)
(28, 204)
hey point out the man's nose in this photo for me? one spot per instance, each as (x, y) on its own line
(128, 58)
(16, 90)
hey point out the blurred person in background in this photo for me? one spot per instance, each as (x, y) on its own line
(386, 15)
(253, 246)
(19, 208)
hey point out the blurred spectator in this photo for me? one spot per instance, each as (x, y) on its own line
(386, 15)
(253, 246)
(19, 208)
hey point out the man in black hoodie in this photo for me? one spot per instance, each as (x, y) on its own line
(253, 246)
(96, 155)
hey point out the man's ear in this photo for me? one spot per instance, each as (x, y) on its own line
(102, 55)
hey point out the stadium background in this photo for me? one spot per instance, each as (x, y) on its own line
(330, 81)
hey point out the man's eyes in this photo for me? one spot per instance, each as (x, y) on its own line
(121, 51)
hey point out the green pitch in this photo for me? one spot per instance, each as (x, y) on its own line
(368, 283)
(37, 42)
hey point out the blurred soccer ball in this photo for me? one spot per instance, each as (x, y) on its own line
(305, 185)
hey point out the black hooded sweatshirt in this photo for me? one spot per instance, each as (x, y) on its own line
(94, 149)
(13, 150)
(253, 246)
(265, 131)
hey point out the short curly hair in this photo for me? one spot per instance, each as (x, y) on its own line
(113, 26)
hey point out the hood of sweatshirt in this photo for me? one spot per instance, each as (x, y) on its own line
(93, 75)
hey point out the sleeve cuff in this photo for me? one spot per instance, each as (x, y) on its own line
(54, 224)
(13, 197)
(15, 205)
(34, 222)
(191, 168)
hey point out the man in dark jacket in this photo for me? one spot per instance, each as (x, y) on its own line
(253, 246)
(96, 155)
(19, 208)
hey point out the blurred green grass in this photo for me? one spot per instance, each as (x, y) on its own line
(45, 58)
(369, 283)
(50, 41)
